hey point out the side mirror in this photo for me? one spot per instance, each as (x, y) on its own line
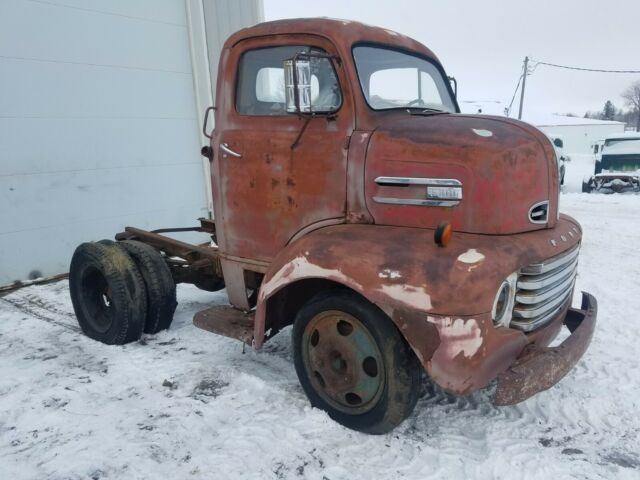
(297, 85)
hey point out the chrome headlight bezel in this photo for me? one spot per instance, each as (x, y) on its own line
(503, 304)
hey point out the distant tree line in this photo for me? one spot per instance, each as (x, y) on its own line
(631, 116)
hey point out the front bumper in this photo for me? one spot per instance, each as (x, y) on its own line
(539, 368)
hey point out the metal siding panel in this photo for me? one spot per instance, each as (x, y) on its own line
(79, 144)
(222, 18)
(52, 34)
(97, 131)
(160, 11)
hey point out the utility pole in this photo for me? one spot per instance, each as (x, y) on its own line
(524, 80)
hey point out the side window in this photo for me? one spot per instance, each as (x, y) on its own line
(270, 86)
(260, 87)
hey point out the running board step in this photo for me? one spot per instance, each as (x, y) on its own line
(227, 321)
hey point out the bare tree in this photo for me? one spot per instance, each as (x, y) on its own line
(632, 98)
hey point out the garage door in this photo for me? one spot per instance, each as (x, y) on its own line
(98, 126)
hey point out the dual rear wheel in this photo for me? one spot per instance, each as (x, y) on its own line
(119, 290)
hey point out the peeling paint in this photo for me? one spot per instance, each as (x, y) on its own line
(471, 256)
(388, 273)
(414, 297)
(482, 132)
(301, 267)
(458, 336)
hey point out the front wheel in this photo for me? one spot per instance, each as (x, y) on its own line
(353, 363)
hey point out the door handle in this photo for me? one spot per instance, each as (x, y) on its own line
(225, 148)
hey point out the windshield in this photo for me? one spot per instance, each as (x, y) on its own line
(393, 79)
(613, 141)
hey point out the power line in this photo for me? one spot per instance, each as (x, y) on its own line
(601, 70)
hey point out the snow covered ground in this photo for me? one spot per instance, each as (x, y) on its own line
(189, 404)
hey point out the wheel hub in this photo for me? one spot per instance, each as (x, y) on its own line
(99, 301)
(343, 361)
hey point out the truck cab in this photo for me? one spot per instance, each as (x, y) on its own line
(617, 167)
(355, 202)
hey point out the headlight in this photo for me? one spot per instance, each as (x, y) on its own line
(503, 304)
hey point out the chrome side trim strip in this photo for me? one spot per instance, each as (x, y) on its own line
(416, 201)
(405, 181)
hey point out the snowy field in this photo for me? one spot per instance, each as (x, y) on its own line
(189, 404)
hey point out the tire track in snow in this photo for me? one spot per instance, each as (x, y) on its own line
(42, 311)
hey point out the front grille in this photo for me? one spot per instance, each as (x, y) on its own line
(543, 289)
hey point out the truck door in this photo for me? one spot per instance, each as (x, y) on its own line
(277, 172)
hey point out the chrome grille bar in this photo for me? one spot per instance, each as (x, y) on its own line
(543, 289)
(537, 296)
(556, 262)
(535, 310)
(530, 282)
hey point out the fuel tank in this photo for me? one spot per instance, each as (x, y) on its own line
(484, 174)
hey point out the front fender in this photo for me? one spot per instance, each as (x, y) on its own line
(439, 298)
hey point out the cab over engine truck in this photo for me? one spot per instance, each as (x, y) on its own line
(354, 201)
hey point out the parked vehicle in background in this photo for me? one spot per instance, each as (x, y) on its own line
(597, 149)
(611, 140)
(563, 158)
(617, 167)
(353, 200)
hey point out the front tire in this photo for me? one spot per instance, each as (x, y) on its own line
(353, 363)
(108, 293)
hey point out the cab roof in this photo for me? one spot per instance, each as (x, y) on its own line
(623, 136)
(343, 33)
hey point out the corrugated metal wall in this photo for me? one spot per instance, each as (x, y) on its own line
(222, 18)
(99, 126)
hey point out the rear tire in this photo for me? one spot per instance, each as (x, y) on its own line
(353, 362)
(108, 293)
(161, 289)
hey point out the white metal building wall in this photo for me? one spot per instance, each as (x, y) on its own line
(222, 18)
(580, 138)
(99, 126)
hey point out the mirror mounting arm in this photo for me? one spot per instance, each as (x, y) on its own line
(304, 127)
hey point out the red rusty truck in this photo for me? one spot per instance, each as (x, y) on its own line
(355, 202)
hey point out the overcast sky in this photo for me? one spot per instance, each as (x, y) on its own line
(483, 44)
